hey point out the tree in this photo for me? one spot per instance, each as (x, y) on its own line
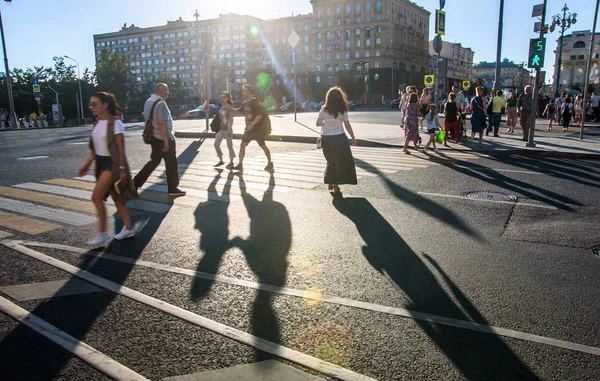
(114, 75)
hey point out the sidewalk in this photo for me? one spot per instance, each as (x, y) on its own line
(548, 143)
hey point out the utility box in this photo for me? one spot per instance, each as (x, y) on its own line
(57, 115)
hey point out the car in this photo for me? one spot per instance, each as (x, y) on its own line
(395, 103)
(272, 109)
(289, 107)
(352, 105)
(198, 113)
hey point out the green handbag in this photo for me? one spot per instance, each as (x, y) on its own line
(440, 137)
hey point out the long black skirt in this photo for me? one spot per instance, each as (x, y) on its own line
(340, 163)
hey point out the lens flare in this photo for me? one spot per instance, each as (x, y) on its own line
(327, 341)
(313, 297)
(254, 30)
(263, 82)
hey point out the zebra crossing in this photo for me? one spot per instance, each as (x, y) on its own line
(39, 207)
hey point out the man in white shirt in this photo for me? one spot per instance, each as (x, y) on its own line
(595, 99)
(163, 141)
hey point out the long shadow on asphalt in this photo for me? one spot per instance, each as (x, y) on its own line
(39, 358)
(265, 250)
(478, 356)
(427, 206)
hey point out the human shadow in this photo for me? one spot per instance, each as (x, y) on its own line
(212, 220)
(428, 206)
(477, 356)
(76, 315)
(266, 251)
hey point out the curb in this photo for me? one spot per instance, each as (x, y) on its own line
(374, 144)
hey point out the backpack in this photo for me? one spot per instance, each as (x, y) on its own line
(551, 108)
(215, 125)
(490, 106)
(148, 130)
(566, 110)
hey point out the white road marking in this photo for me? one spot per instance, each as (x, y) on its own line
(219, 328)
(324, 298)
(80, 349)
(59, 215)
(498, 170)
(4, 234)
(491, 201)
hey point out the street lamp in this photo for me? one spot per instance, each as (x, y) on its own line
(201, 28)
(565, 21)
(80, 93)
(12, 118)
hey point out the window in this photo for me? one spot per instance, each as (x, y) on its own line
(306, 39)
(318, 57)
(358, 8)
(357, 55)
(306, 48)
(368, 6)
(573, 58)
(319, 46)
(347, 55)
(579, 44)
(347, 33)
(328, 11)
(378, 42)
(338, 10)
(318, 79)
(358, 43)
(346, 66)
(580, 57)
(357, 32)
(377, 53)
(378, 6)
(359, 67)
(377, 65)
(319, 35)
(347, 44)
(367, 43)
(367, 54)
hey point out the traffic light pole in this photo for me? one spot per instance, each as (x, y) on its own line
(536, 88)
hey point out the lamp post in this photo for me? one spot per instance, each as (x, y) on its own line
(565, 21)
(12, 118)
(200, 28)
(80, 93)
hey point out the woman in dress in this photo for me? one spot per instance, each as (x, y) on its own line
(107, 145)
(332, 119)
(225, 130)
(578, 109)
(511, 113)
(479, 115)
(425, 101)
(411, 122)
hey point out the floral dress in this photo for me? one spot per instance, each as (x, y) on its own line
(411, 122)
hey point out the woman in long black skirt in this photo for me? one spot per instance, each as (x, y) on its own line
(332, 119)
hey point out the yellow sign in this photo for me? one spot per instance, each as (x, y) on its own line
(36, 88)
(440, 22)
(466, 85)
(428, 80)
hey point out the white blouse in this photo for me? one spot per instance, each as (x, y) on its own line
(331, 125)
(99, 136)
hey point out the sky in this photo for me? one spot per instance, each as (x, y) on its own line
(37, 30)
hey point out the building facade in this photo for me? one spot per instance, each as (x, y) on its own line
(369, 47)
(453, 65)
(574, 59)
(512, 75)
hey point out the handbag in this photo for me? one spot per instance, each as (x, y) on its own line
(215, 125)
(319, 143)
(440, 137)
(148, 129)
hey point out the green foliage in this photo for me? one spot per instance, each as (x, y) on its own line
(114, 75)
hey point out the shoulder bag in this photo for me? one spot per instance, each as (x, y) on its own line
(148, 130)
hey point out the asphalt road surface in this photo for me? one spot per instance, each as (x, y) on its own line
(410, 275)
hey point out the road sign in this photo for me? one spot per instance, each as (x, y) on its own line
(293, 39)
(437, 43)
(293, 56)
(466, 85)
(428, 80)
(36, 89)
(537, 50)
(440, 22)
(442, 4)
(537, 10)
(36, 81)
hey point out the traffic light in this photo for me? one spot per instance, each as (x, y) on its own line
(537, 51)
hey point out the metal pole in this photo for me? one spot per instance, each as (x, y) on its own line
(499, 47)
(295, 102)
(80, 93)
(536, 88)
(392, 95)
(12, 118)
(77, 105)
(587, 70)
(563, 25)
(207, 75)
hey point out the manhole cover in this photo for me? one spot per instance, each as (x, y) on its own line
(491, 196)
(596, 250)
(33, 157)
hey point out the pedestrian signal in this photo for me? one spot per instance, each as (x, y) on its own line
(428, 80)
(537, 51)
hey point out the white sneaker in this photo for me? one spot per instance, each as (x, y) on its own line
(99, 239)
(125, 233)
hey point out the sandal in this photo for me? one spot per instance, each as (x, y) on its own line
(330, 186)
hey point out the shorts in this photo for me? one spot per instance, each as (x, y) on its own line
(256, 134)
(432, 131)
(104, 163)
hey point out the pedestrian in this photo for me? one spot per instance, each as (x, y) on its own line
(162, 142)
(225, 116)
(578, 105)
(451, 119)
(549, 112)
(511, 113)
(433, 124)
(478, 116)
(595, 101)
(404, 101)
(566, 112)
(498, 104)
(254, 114)
(425, 100)
(558, 103)
(524, 104)
(333, 118)
(461, 101)
(107, 146)
(411, 122)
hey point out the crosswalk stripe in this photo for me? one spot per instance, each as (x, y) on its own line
(49, 199)
(193, 189)
(4, 234)
(259, 178)
(283, 166)
(25, 224)
(380, 167)
(57, 215)
(401, 160)
(397, 154)
(306, 163)
(147, 206)
(265, 176)
(398, 150)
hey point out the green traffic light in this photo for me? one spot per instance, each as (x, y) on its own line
(535, 60)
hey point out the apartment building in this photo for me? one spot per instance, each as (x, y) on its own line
(453, 65)
(574, 59)
(366, 46)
